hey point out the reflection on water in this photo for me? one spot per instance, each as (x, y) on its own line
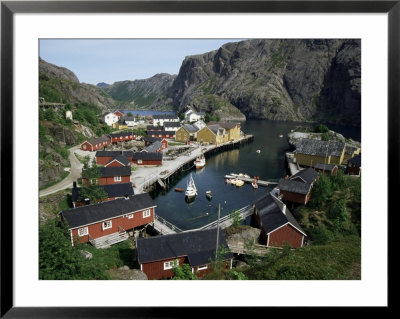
(269, 164)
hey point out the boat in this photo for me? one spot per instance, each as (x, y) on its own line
(240, 175)
(258, 151)
(281, 136)
(191, 190)
(200, 161)
(208, 194)
(239, 183)
(179, 190)
(254, 184)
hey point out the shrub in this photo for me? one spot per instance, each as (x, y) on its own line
(321, 235)
(321, 128)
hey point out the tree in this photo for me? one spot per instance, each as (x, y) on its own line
(58, 260)
(183, 272)
(321, 128)
(129, 114)
(321, 191)
(218, 262)
(237, 218)
(94, 193)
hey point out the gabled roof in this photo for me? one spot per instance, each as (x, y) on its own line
(319, 147)
(171, 124)
(308, 175)
(350, 149)
(356, 160)
(191, 128)
(199, 246)
(294, 186)
(154, 147)
(216, 128)
(113, 153)
(115, 171)
(94, 213)
(97, 140)
(161, 132)
(120, 158)
(227, 125)
(271, 211)
(154, 128)
(153, 139)
(147, 156)
(112, 190)
(126, 133)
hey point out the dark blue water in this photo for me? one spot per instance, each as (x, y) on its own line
(145, 112)
(269, 164)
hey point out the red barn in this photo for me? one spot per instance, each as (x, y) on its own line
(95, 144)
(162, 134)
(158, 255)
(147, 158)
(277, 224)
(105, 157)
(107, 223)
(297, 189)
(122, 137)
(113, 191)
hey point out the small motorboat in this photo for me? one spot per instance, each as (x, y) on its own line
(239, 183)
(208, 194)
(240, 175)
(200, 161)
(281, 136)
(254, 184)
(179, 190)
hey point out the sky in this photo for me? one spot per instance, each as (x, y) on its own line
(111, 60)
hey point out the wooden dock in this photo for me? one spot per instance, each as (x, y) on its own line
(293, 166)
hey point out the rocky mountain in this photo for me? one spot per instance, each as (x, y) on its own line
(102, 84)
(147, 93)
(58, 84)
(297, 80)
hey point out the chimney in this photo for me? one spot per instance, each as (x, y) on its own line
(87, 201)
(74, 184)
(126, 196)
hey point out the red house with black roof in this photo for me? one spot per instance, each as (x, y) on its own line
(147, 158)
(112, 175)
(157, 255)
(122, 137)
(105, 157)
(277, 224)
(113, 191)
(107, 223)
(161, 134)
(297, 188)
(95, 144)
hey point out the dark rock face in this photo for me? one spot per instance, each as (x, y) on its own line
(61, 133)
(298, 80)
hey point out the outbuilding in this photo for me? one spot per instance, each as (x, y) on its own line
(105, 157)
(277, 224)
(95, 144)
(146, 158)
(158, 255)
(161, 134)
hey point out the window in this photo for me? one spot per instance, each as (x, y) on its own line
(159, 135)
(146, 213)
(84, 147)
(83, 231)
(107, 224)
(140, 161)
(120, 137)
(171, 264)
(130, 216)
(202, 267)
(117, 178)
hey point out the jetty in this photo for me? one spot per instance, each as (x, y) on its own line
(292, 164)
(250, 180)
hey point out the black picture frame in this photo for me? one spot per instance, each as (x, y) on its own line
(9, 8)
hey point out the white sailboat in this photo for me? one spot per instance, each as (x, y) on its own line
(191, 190)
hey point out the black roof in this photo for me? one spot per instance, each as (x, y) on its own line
(153, 139)
(112, 190)
(199, 246)
(294, 186)
(126, 133)
(115, 171)
(113, 153)
(356, 160)
(270, 209)
(149, 156)
(90, 214)
(97, 140)
(350, 149)
(172, 124)
(328, 167)
(165, 116)
(319, 147)
(154, 147)
(154, 128)
(122, 159)
(309, 175)
(161, 132)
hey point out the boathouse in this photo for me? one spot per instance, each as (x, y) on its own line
(146, 158)
(113, 191)
(297, 188)
(119, 160)
(150, 140)
(122, 137)
(277, 224)
(157, 256)
(95, 144)
(107, 223)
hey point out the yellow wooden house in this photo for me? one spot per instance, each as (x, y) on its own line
(187, 132)
(212, 134)
(350, 152)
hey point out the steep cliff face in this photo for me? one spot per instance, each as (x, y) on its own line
(299, 80)
(148, 93)
(58, 84)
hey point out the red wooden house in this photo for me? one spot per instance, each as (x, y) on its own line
(113, 191)
(277, 224)
(119, 160)
(105, 157)
(354, 165)
(161, 134)
(95, 144)
(158, 255)
(122, 137)
(150, 140)
(146, 158)
(157, 146)
(111, 175)
(297, 188)
(107, 223)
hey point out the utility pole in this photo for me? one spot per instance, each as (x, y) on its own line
(216, 249)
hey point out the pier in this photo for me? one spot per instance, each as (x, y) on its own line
(259, 182)
(293, 166)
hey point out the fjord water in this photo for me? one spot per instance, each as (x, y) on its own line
(268, 164)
